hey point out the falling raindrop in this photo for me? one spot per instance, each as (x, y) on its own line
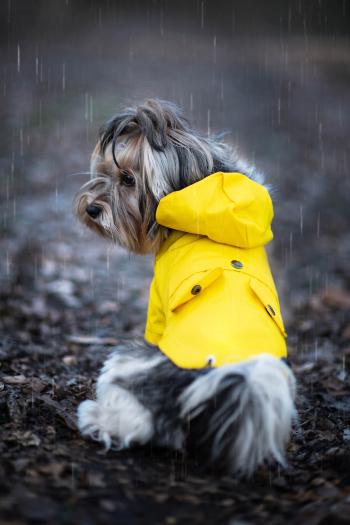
(21, 141)
(86, 114)
(108, 259)
(41, 70)
(318, 224)
(63, 77)
(279, 111)
(191, 102)
(56, 200)
(7, 189)
(202, 14)
(161, 22)
(18, 58)
(91, 109)
(36, 69)
(8, 263)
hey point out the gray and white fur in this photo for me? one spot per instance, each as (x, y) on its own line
(234, 417)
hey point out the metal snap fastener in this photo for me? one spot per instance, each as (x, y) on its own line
(211, 360)
(237, 264)
(271, 310)
(196, 289)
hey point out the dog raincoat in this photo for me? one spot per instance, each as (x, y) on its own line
(213, 300)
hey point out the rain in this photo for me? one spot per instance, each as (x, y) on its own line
(273, 79)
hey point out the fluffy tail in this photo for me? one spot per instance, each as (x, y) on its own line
(240, 415)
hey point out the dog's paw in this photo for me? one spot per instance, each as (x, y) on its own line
(117, 419)
(89, 423)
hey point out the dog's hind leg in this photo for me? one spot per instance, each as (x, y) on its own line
(117, 418)
(136, 399)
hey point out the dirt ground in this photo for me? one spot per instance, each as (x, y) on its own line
(67, 297)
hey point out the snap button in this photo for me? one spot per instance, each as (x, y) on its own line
(196, 289)
(237, 264)
(271, 310)
(211, 360)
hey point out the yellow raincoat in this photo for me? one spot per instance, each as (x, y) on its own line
(213, 300)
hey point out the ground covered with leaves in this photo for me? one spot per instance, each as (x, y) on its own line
(49, 364)
(67, 297)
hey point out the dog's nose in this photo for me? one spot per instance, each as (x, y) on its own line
(93, 210)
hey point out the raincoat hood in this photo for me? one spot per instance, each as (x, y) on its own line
(213, 300)
(227, 208)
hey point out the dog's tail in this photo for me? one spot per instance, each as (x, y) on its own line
(240, 415)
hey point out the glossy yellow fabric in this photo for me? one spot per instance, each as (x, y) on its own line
(213, 300)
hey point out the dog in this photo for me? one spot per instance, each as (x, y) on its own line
(212, 374)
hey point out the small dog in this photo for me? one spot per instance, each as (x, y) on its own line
(212, 375)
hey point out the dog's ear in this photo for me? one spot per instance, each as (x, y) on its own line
(151, 120)
(156, 118)
(153, 129)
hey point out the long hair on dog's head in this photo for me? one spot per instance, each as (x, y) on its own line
(143, 154)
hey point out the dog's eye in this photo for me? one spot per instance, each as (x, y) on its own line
(127, 179)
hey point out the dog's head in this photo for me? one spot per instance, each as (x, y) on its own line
(143, 154)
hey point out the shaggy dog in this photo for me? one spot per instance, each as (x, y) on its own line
(211, 375)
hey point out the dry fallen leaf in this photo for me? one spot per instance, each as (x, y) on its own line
(70, 360)
(16, 380)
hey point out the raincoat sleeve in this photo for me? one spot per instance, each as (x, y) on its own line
(228, 208)
(155, 317)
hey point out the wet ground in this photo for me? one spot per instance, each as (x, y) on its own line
(67, 297)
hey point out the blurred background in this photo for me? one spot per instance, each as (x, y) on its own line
(274, 75)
